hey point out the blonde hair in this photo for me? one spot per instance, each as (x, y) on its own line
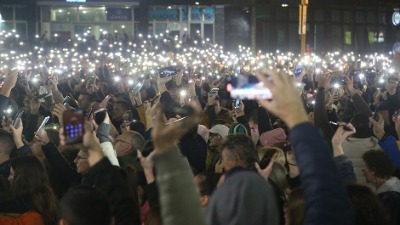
(278, 156)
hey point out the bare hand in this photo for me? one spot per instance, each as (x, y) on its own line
(9, 83)
(286, 102)
(325, 81)
(265, 172)
(342, 134)
(165, 136)
(378, 127)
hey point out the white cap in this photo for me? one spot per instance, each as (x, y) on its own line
(220, 129)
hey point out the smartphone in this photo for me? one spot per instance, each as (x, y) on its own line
(18, 117)
(168, 71)
(66, 100)
(73, 126)
(298, 70)
(89, 114)
(346, 128)
(136, 88)
(236, 103)
(44, 122)
(338, 80)
(176, 109)
(49, 100)
(247, 87)
(214, 91)
(100, 115)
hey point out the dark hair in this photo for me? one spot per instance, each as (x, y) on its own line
(137, 126)
(85, 205)
(242, 145)
(367, 206)
(7, 141)
(254, 116)
(124, 104)
(53, 135)
(378, 162)
(361, 123)
(208, 182)
(31, 186)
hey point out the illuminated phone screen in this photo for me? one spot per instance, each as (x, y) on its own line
(73, 126)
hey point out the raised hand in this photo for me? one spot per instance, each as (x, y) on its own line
(165, 136)
(286, 102)
(378, 127)
(9, 83)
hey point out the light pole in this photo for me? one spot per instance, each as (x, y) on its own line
(303, 25)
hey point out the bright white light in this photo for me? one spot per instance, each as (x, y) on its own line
(285, 5)
(381, 80)
(117, 78)
(183, 93)
(336, 85)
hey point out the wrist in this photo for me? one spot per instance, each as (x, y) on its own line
(294, 120)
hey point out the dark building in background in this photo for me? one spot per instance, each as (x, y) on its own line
(353, 25)
(224, 22)
(268, 25)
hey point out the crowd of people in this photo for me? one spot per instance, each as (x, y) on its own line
(172, 150)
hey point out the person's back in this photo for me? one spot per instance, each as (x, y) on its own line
(244, 198)
(85, 205)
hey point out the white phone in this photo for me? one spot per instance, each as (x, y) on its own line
(44, 122)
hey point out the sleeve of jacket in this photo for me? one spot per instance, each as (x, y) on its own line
(361, 106)
(321, 117)
(153, 197)
(346, 169)
(211, 115)
(179, 199)
(3, 104)
(24, 150)
(324, 191)
(59, 164)
(108, 179)
(58, 97)
(110, 153)
(391, 149)
(264, 120)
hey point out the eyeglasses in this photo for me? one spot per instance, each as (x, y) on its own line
(78, 157)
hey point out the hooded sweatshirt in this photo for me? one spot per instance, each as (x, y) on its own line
(244, 198)
(389, 194)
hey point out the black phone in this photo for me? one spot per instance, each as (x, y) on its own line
(100, 115)
(346, 128)
(73, 126)
(338, 80)
(176, 109)
(168, 71)
(48, 101)
(66, 100)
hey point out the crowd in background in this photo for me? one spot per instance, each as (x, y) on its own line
(323, 150)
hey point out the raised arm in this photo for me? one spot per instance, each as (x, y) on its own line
(325, 194)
